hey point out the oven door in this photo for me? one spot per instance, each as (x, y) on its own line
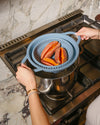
(72, 119)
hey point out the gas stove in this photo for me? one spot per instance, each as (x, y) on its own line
(87, 85)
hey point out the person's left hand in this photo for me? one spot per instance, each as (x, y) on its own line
(26, 77)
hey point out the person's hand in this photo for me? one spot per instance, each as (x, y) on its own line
(87, 33)
(26, 77)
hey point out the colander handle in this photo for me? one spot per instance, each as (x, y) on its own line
(38, 70)
(24, 59)
(35, 70)
(79, 38)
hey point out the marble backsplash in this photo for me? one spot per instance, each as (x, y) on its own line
(22, 16)
(18, 17)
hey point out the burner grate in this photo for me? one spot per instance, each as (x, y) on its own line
(52, 106)
(15, 57)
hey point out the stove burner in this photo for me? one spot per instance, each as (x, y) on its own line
(52, 106)
(91, 52)
(94, 60)
(59, 97)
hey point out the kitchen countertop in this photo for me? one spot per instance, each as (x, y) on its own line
(17, 18)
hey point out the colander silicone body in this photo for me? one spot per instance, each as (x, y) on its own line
(37, 45)
(36, 51)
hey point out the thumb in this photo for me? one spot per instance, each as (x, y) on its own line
(24, 66)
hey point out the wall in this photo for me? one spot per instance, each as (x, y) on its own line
(18, 17)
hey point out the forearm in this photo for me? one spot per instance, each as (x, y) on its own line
(26, 77)
(38, 114)
(97, 34)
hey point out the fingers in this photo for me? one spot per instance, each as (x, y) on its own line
(87, 38)
(24, 66)
(86, 33)
(23, 69)
(78, 33)
(84, 37)
(81, 31)
(18, 70)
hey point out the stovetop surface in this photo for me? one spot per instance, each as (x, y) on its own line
(89, 67)
(86, 79)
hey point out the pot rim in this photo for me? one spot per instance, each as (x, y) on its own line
(75, 66)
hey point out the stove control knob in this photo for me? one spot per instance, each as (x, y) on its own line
(97, 18)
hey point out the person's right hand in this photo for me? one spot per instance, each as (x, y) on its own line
(26, 77)
(87, 33)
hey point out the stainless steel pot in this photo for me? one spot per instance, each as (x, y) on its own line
(57, 85)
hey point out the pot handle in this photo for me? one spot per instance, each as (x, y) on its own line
(79, 38)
